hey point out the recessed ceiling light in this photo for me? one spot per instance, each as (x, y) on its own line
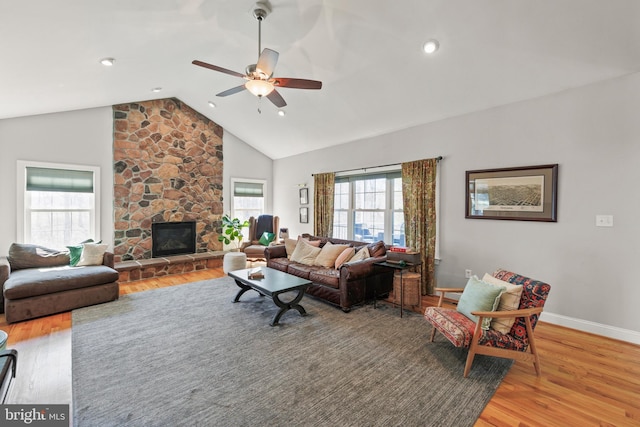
(156, 89)
(282, 113)
(212, 104)
(431, 46)
(107, 62)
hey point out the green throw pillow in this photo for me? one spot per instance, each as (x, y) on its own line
(75, 252)
(480, 296)
(267, 238)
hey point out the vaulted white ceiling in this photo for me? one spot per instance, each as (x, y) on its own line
(367, 53)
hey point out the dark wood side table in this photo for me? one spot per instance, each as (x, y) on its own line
(401, 267)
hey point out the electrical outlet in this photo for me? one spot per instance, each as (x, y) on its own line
(604, 220)
(467, 273)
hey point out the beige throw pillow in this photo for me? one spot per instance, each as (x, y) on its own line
(328, 255)
(290, 246)
(345, 256)
(360, 255)
(509, 300)
(305, 253)
(92, 254)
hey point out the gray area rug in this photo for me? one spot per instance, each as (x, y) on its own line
(187, 356)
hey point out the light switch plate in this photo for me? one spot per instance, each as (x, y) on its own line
(604, 220)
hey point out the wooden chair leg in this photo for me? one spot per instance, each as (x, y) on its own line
(472, 348)
(433, 334)
(532, 346)
(467, 366)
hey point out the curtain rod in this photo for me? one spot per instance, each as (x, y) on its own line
(374, 167)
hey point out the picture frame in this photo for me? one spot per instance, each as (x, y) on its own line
(527, 193)
(304, 215)
(304, 196)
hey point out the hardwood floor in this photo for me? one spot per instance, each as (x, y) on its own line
(586, 380)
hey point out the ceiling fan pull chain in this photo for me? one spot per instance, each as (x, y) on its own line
(259, 36)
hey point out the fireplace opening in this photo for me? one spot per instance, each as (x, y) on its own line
(173, 238)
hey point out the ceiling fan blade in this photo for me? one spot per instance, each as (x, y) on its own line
(297, 83)
(277, 99)
(216, 68)
(232, 91)
(267, 61)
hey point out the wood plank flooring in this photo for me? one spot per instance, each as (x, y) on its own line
(586, 380)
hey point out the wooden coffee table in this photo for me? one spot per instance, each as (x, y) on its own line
(273, 284)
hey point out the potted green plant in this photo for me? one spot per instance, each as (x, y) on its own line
(232, 231)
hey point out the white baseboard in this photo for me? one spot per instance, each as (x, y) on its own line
(592, 327)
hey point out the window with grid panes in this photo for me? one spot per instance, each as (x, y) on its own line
(59, 205)
(368, 208)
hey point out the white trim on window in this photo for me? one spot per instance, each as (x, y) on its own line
(263, 182)
(387, 170)
(21, 178)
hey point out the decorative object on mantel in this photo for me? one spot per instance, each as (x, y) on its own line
(304, 196)
(527, 193)
(304, 215)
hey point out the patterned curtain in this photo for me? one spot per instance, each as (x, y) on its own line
(323, 184)
(419, 198)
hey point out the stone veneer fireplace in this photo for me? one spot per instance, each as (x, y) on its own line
(167, 168)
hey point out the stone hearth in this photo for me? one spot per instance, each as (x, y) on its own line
(130, 271)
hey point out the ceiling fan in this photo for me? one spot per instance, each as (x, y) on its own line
(259, 77)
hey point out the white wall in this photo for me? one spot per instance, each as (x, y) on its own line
(83, 137)
(244, 161)
(86, 137)
(593, 133)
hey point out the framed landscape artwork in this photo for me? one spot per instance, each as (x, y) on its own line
(526, 193)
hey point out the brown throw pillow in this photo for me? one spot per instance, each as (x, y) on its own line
(23, 255)
(377, 249)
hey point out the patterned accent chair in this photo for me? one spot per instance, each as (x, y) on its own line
(464, 332)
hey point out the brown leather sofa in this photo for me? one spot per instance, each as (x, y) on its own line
(346, 286)
(43, 285)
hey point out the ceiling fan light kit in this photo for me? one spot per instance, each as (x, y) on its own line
(259, 87)
(259, 76)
